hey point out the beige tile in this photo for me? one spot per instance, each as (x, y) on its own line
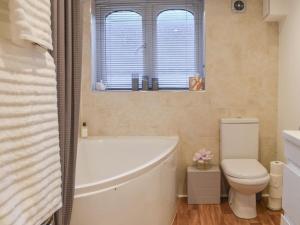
(241, 57)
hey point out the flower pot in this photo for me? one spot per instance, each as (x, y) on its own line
(203, 165)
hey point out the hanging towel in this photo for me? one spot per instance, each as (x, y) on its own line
(30, 170)
(30, 22)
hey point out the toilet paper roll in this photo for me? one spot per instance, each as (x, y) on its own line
(276, 167)
(275, 192)
(276, 180)
(275, 203)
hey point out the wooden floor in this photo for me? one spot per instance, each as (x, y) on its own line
(221, 215)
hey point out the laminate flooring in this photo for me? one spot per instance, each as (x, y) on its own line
(222, 215)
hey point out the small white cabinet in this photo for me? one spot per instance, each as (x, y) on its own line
(291, 179)
(275, 10)
(291, 193)
(204, 185)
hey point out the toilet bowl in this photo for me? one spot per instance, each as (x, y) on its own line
(239, 148)
(246, 177)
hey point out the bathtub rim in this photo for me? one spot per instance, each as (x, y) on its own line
(92, 188)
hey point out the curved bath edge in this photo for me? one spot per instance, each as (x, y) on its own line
(123, 178)
(143, 186)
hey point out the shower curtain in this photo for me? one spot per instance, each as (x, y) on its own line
(66, 30)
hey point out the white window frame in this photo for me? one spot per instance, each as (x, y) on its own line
(149, 11)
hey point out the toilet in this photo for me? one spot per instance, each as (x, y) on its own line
(239, 161)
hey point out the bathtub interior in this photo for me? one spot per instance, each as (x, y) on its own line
(103, 158)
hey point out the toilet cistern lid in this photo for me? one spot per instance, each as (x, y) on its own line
(243, 168)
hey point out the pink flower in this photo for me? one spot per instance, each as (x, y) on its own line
(202, 156)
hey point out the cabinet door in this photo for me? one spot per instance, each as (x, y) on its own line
(291, 193)
(266, 8)
(284, 221)
(275, 10)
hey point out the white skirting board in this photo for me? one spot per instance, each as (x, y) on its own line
(222, 196)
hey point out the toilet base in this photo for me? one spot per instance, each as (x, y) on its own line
(242, 205)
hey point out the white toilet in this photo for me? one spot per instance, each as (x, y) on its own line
(239, 155)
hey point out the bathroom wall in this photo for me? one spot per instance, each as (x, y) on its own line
(242, 74)
(289, 73)
(4, 18)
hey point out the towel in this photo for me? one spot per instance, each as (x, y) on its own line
(30, 170)
(30, 22)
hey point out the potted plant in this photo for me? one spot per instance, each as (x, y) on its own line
(202, 159)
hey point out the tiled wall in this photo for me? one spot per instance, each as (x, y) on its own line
(242, 70)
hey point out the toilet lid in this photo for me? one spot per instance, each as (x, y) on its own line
(243, 168)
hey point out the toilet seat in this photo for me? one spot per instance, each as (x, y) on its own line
(247, 169)
(250, 182)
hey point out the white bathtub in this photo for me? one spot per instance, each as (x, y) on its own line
(125, 181)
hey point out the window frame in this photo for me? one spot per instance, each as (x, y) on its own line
(101, 48)
(149, 11)
(161, 8)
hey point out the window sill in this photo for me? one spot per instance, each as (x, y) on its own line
(149, 91)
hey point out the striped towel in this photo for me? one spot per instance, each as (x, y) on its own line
(31, 22)
(30, 171)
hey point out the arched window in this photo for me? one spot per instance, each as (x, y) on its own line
(161, 39)
(123, 42)
(175, 48)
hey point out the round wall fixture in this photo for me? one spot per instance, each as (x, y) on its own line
(238, 6)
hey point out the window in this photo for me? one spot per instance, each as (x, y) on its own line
(175, 48)
(162, 39)
(123, 48)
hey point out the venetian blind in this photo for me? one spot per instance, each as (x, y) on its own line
(154, 39)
